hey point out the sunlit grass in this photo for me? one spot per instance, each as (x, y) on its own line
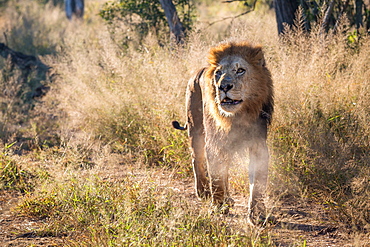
(135, 211)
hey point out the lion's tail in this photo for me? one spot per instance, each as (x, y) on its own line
(177, 125)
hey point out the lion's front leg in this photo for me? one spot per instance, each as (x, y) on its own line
(258, 174)
(218, 167)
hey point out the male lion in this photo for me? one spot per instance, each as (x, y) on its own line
(229, 106)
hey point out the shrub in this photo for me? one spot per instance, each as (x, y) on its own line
(134, 20)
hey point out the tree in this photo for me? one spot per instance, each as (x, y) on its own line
(176, 28)
(75, 7)
(285, 13)
(328, 12)
(141, 17)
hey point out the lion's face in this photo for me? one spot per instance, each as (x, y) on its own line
(237, 85)
(231, 84)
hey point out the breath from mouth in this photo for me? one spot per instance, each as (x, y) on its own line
(228, 101)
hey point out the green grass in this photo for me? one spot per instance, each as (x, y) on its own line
(109, 111)
(13, 177)
(134, 211)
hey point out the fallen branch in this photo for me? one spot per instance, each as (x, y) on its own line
(234, 17)
(27, 64)
(22, 61)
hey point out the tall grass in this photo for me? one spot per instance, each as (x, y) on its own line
(320, 134)
(39, 29)
(109, 106)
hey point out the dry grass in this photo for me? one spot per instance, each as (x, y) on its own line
(112, 107)
(320, 134)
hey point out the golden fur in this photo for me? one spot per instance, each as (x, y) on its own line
(229, 106)
(262, 92)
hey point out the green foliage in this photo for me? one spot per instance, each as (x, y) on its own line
(149, 11)
(143, 17)
(12, 176)
(314, 10)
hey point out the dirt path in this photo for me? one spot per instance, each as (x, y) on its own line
(16, 230)
(297, 224)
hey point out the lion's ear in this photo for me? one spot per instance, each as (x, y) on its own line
(262, 61)
(260, 57)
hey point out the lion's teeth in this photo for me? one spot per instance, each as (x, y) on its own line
(228, 101)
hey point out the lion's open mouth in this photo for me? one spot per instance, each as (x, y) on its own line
(228, 101)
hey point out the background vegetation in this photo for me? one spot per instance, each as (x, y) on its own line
(97, 159)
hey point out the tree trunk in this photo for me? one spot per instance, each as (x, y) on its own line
(358, 14)
(329, 11)
(285, 13)
(176, 28)
(74, 7)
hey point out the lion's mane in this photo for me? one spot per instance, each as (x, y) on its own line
(260, 96)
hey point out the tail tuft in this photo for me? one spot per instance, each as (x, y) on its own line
(176, 125)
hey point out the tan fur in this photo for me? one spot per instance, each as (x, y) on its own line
(229, 106)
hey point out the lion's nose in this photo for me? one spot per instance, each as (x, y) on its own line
(226, 87)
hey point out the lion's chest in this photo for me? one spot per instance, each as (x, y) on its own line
(238, 137)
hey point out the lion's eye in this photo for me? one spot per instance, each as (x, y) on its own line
(240, 71)
(218, 73)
